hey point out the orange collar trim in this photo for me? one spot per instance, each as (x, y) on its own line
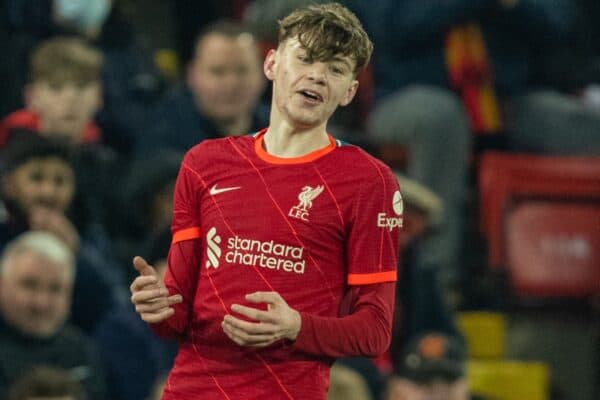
(313, 155)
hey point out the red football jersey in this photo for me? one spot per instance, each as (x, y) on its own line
(308, 228)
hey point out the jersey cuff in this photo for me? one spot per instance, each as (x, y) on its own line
(376, 277)
(186, 234)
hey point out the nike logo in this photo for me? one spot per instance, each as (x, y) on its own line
(213, 190)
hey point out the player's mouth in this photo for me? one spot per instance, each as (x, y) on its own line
(311, 96)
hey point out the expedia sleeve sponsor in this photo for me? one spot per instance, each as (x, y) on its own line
(387, 222)
(391, 222)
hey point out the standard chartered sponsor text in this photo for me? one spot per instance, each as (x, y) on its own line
(267, 254)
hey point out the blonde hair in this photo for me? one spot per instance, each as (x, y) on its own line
(63, 60)
(44, 245)
(327, 30)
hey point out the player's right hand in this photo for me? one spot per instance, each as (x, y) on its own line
(149, 294)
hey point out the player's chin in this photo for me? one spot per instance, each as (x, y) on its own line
(307, 120)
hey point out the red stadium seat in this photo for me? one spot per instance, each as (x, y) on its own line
(541, 218)
(553, 248)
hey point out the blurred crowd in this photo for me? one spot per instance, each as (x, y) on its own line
(100, 100)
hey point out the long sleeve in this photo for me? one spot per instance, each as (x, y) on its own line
(181, 278)
(364, 331)
(185, 252)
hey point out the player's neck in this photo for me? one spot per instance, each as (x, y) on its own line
(285, 140)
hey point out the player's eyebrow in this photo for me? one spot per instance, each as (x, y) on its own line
(343, 60)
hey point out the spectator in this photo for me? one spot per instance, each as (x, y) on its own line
(46, 383)
(433, 367)
(434, 56)
(131, 81)
(220, 95)
(62, 98)
(134, 357)
(38, 185)
(36, 279)
(64, 93)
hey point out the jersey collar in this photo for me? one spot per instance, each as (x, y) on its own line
(312, 156)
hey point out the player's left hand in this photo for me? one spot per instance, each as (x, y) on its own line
(279, 321)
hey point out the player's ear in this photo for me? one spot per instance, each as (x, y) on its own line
(350, 93)
(269, 64)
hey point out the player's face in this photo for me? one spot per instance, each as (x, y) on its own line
(35, 303)
(225, 76)
(65, 109)
(47, 182)
(306, 92)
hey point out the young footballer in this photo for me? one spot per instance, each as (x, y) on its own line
(285, 241)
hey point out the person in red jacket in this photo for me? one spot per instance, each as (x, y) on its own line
(285, 242)
(64, 92)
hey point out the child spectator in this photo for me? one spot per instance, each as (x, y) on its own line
(64, 92)
(38, 185)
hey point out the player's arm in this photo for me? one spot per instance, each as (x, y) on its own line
(167, 304)
(365, 331)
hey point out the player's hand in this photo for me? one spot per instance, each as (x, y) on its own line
(150, 295)
(280, 321)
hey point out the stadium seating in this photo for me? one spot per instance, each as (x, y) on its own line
(541, 218)
(509, 380)
(484, 332)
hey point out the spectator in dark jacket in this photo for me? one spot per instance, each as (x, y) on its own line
(220, 96)
(37, 271)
